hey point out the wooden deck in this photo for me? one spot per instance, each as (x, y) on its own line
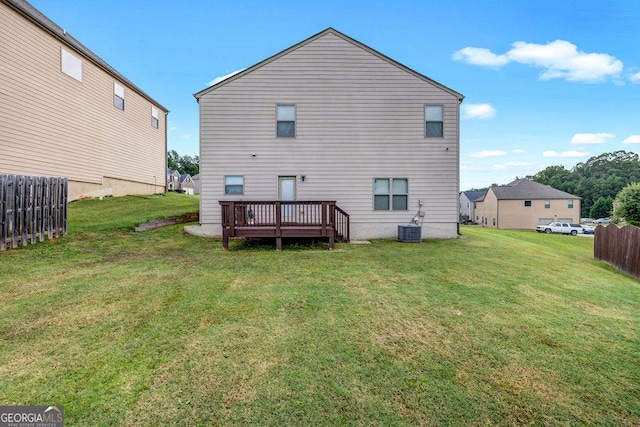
(280, 219)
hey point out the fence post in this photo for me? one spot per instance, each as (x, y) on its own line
(3, 212)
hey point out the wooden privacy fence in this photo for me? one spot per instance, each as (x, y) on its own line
(31, 208)
(619, 247)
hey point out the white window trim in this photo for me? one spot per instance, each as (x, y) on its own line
(154, 116)
(224, 184)
(391, 194)
(70, 64)
(118, 91)
(433, 121)
(295, 119)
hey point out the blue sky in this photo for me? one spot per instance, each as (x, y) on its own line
(545, 82)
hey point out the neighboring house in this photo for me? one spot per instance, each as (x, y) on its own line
(466, 204)
(173, 180)
(524, 204)
(65, 112)
(179, 182)
(332, 119)
(186, 184)
(196, 183)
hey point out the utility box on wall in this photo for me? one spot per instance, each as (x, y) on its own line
(410, 233)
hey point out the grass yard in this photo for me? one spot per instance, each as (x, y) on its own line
(163, 328)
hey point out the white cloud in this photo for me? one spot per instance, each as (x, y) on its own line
(564, 154)
(226, 76)
(480, 56)
(471, 168)
(510, 165)
(172, 129)
(488, 153)
(591, 138)
(635, 77)
(186, 136)
(632, 139)
(519, 151)
(559, 59)
(478, 111)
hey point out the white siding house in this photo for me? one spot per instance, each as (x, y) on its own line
(467, 205)
(332, 119)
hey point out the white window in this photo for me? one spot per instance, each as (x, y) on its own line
(70, 64)
(434, 121)
(570, 204)
(234, 184)
(390, 193)
(286, 121)
(547, 204)
(154, 117)
(118, 96)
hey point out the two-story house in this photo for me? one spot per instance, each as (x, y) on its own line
(65, 112)
(524, 204)
(186, 184)
(332, 119)
(467, 205)
(173, 180)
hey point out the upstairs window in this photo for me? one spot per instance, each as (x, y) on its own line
(70, 64)
(234, 184)
(286, 121)
(390, 193)
(434, 121)
(570, 204)
(527, 203)
(118, 96)
(547, 204)
(154, 117)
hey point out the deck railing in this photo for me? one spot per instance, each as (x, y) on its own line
(278, 218)
(341, 224)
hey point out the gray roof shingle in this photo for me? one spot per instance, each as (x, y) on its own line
(472, 196)
(521, 189)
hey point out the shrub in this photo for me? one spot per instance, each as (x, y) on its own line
(627, 204)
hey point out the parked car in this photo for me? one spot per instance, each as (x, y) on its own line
(602, 221)
(587, 220)
(559, 227)
(586, 229)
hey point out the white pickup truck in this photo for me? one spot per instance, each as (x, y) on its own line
(559, 227)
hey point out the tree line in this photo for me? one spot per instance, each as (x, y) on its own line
(598, 180)
(184, 164)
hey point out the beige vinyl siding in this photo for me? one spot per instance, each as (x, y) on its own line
(55, 125)
(513, 214)
(358, 117)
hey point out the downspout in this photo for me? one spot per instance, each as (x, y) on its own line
(166, 150)
(458, 162)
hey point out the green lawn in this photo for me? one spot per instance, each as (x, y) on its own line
(163, 328)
